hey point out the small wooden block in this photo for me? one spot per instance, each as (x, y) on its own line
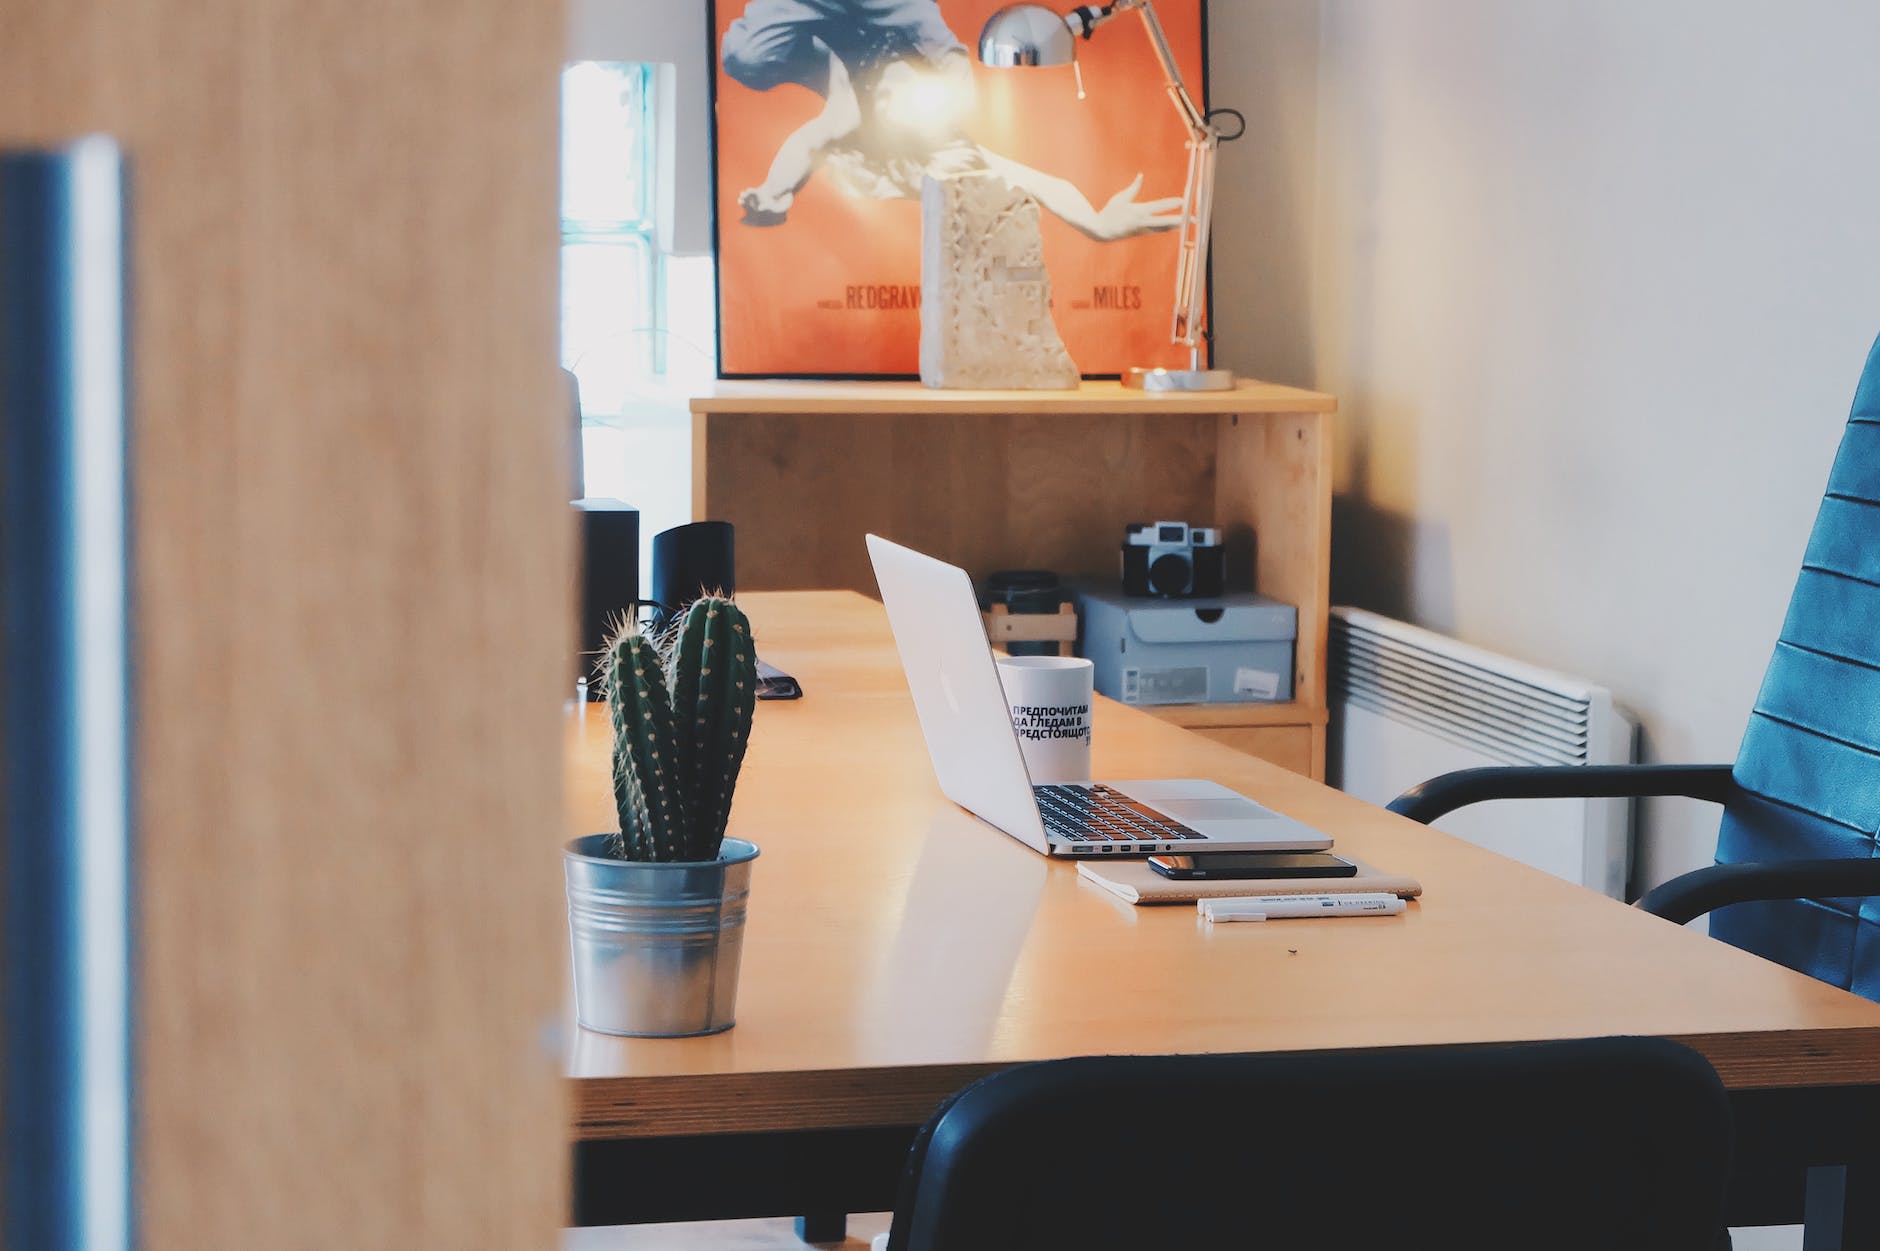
(1061, 626)
(1005, 626)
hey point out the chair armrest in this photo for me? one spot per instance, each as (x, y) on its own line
(1691, 895)
(1455, 790)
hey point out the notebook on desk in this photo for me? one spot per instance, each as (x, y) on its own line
(1136, 882)
(976, 757)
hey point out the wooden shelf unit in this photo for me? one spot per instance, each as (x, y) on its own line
(1034, 479)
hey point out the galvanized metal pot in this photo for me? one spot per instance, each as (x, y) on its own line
(656, 946)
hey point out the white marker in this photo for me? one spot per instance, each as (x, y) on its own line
(1289, 907)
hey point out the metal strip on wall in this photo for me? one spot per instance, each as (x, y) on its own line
(65, 798)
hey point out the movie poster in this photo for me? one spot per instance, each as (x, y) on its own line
(828, 113)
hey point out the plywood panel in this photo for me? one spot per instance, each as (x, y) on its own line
(1291, 735)
(770, 396)
(987, 492)
(353, 606)
(1288, 746)
(1005, 479)
(1193, 716)
(1275, 473)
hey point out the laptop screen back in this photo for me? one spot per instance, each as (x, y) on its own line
(955, 684)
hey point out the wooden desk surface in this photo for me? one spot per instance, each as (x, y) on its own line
(897, 947)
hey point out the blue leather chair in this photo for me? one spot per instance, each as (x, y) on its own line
(1797, 864)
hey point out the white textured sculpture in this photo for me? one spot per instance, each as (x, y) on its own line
(985, 299)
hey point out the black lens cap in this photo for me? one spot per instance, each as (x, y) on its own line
(1169, 574)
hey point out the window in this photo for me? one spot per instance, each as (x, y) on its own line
(636, 323)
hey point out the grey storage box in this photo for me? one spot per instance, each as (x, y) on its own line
(1229, 649)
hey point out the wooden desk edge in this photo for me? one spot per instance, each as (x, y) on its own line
(727, 1103)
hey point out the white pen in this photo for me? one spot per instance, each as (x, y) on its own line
(1289, 907)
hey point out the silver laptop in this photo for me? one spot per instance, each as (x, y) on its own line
(976, 756)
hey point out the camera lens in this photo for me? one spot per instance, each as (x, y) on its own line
(1169, 574)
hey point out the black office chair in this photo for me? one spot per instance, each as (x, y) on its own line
(1796, 853)
(1608, 1142)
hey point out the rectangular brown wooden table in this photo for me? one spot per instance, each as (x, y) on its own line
(898, 948)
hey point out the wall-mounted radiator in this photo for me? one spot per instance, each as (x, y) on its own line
(1408, 704)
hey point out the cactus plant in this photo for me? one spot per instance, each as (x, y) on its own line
(681, 709)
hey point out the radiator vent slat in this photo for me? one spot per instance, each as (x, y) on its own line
(1406, 705)
(1361, 675)
(1448, 673)
(1510, 711)
(1473, 731)
(1461, 671)
(1496, 748)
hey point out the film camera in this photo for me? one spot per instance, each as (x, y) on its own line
(1172, 559)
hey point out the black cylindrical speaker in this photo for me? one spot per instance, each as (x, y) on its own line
(610, 577)
(690, 561)
(1024, 591)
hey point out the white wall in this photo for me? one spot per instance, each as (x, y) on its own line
(1593, 282)
(1263, 59)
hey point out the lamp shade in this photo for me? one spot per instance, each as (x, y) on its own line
(1026, 34)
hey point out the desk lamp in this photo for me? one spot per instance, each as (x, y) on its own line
(1031, 34)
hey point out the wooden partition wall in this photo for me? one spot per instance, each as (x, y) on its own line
(352, 612)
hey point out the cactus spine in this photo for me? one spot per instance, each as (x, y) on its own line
(714, 695)
(647, 781)
(681, 720)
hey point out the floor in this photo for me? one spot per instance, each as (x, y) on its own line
(773, 1235)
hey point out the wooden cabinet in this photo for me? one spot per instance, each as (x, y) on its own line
(1040, 479)
(1291, 736)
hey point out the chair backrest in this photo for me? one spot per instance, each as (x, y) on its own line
(1808, 772)
(1611, 1143)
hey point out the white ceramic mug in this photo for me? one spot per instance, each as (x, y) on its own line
(1049, 697)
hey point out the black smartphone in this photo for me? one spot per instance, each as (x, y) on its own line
(1215, 865)
(774, 683)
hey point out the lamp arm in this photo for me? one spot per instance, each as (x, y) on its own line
(1192, 116)
(1191, 264)
(1204, 140)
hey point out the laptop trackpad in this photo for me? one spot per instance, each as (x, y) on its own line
(1208, 812)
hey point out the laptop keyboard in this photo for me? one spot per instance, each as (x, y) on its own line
(1097, 814)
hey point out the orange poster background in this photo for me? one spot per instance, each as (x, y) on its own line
(777, 284)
